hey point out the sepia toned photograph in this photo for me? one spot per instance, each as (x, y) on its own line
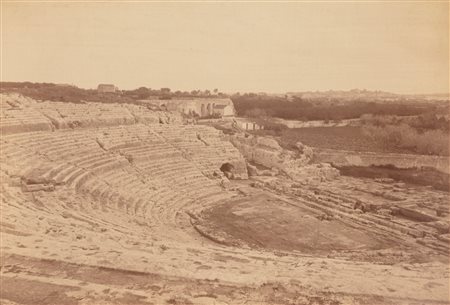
(224, 152)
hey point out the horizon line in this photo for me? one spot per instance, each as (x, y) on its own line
(236, 91)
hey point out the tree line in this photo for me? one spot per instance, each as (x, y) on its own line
(298, 109)
(70, 93)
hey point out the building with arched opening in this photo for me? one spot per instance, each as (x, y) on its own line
(201, 107)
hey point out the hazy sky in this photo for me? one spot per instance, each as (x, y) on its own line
(272, 47)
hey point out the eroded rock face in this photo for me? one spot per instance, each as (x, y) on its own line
(254, 171)
(269, 153)
(294, 163)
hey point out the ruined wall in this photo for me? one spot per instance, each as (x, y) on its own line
(349, 158)
(317, 123)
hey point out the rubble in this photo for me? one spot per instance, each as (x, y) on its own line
(296, 164)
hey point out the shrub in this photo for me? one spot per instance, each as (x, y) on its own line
(318, 109)
(431, 142)
(256, 113)
(434, 142)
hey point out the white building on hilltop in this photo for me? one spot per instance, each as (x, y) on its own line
(106, 88)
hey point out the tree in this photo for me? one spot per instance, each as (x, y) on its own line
(142, 93)
(256, 113)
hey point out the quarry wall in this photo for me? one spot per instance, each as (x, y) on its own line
(353, 158)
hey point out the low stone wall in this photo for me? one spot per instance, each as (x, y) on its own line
(318, 123)
(349, 158)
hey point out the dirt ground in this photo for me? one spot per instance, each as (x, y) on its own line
(346, 138)
(267, 222)
(281, 252)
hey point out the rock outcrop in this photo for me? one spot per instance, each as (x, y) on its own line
(294, 163)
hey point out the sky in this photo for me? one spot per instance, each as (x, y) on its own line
(400, 47)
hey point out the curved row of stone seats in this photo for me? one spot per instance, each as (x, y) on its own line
(59, 148)
(72, 158)
(90, 114)
(71, 115)
(10, 125)
(208, 199)
(202, 145)
(81, 165)
(76, 144)
(127, 183)
(22, 114)
(168, 169)
(16, 117)
(187, 139)
(150, 152)
(157, 168)
(194, 201)
(153, 187)
(151, 200)
(125, 136)
(17, 160)
(88, 165)
(144, 115)
(27, 113)
(211, 159)
(173, 169)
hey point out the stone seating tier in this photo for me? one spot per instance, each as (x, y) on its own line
(20, 114)
(157, 180)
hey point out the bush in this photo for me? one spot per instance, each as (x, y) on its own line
(252, 105)
(431, 142)
(424, 122)
(256, 113)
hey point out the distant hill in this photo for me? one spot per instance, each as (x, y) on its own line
(358, 94)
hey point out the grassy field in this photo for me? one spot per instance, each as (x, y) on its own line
(344, 138)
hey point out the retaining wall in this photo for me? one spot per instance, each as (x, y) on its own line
(349, 158)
